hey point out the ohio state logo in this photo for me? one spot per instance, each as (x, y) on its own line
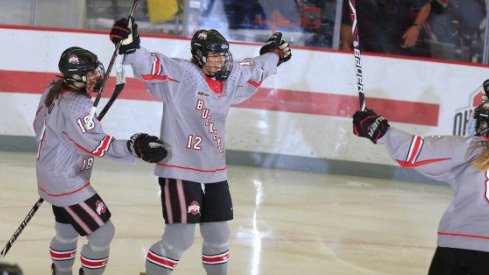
(463, 116)
(73, 59)
(194, 208)
(101, 208)
(202, 35)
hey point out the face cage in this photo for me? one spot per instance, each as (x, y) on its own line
(479, 125)
(226, 69)
(84, 70)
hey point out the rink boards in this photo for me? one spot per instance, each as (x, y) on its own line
(304, 111)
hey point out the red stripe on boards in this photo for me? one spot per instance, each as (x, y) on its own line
(36, 83)
(313, 103)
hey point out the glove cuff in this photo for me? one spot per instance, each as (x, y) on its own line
(130, 144)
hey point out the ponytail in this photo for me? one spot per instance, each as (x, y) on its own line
(56, 87)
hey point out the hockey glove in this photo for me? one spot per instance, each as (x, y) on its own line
(370, 125)
(146, 147)
(128, 33)
(277, 45)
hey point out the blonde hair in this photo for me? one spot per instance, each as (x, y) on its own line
(482, 161)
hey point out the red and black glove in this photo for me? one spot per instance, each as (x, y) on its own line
(277, 45)
(370, 125)
(146, 147)
(128, 33)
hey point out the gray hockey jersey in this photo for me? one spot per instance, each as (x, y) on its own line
(67, 149)
(465, 224)
(194, 115)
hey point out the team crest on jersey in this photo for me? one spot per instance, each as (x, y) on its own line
(101, 208)
(194, 208)
(73, 59)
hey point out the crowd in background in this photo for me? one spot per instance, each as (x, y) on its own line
(445, 29)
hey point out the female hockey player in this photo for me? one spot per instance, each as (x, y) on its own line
(463, 163)
(67, 147)
(197, 96)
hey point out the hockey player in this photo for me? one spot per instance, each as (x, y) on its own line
(461, 162)
(197, 96)
(67, 149)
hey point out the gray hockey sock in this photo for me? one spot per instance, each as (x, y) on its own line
(95, 253)
(215, 250)
(163, 256)
(63, 248)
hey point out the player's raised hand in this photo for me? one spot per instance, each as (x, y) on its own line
(127, 31)
(370, 125)
(277, 45)
(148, 148)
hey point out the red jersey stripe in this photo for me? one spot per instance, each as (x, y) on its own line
(65, 194)
(419, 163)
(193, 169)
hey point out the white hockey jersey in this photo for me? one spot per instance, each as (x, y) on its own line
(194, 116)
(465, 224)
(66, 149)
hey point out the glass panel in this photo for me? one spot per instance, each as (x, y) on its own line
(446, 29)
(306, 22)
(16, 12)
(452, 29)
(457, 29)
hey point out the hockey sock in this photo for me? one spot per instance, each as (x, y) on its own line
(63, 248)
(163, 256)
(95, 253)
(215, 250)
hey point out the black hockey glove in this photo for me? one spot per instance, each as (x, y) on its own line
(370, 125)
(277, 45)
(146, 147)
(127, 33)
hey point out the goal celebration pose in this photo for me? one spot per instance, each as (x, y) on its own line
(461, 162)
(197, 96)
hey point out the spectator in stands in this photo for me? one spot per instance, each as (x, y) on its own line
(318, 16)
(389, 26)
(457, 29)
(282, 13)
(244, 14)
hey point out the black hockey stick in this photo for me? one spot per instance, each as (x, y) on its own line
(120, 83)
(21, 227)
(356, 53)
(109, 68)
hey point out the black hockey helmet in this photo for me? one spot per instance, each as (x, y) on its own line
(481, 117)
(76, 62)
(206, 41)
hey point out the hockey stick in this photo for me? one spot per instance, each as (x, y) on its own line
(21, 227)
(107, 73)
(356, 53)
(120, 83)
